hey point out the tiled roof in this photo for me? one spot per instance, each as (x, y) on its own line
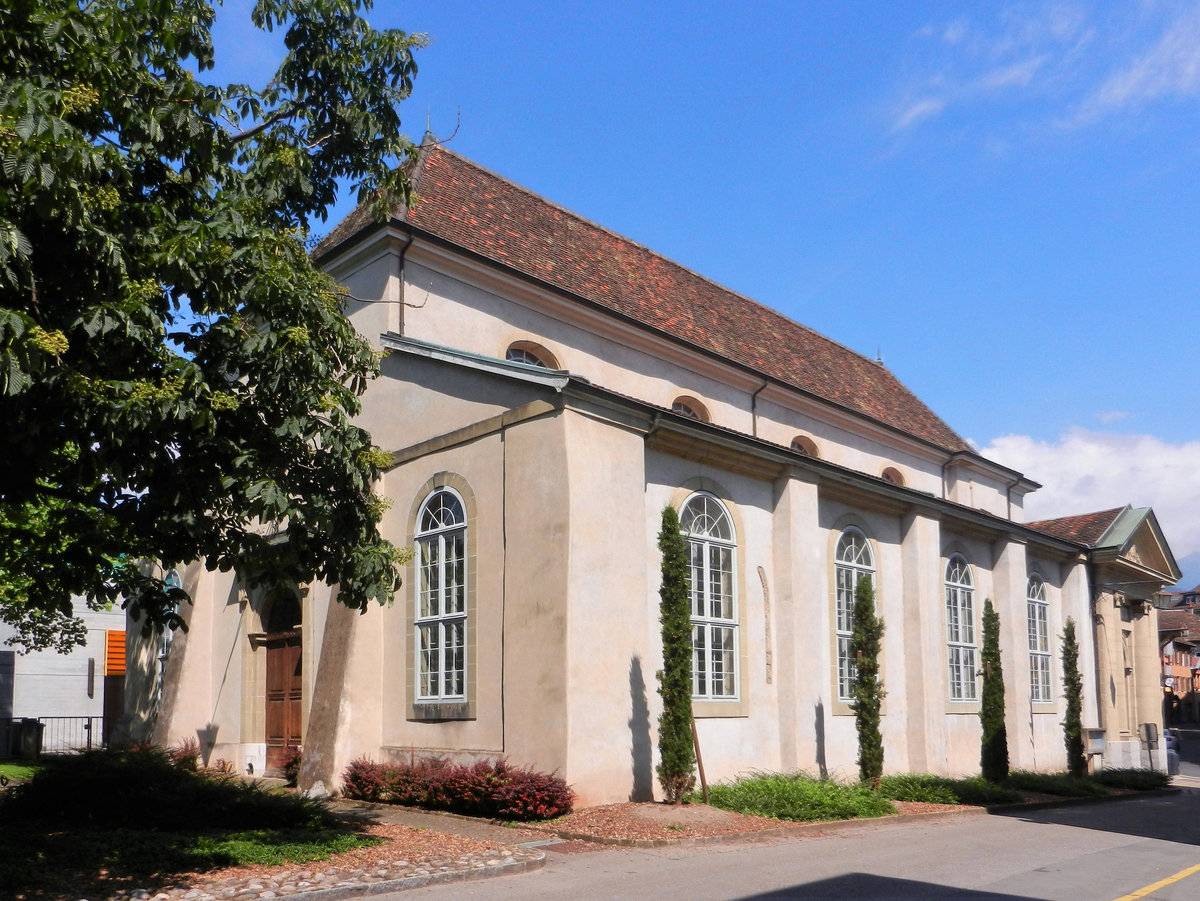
(1084, 529)
(479, 211)
(1178, 621)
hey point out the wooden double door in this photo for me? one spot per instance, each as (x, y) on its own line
(284, 697)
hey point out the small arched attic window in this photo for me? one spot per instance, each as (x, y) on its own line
(531, 354)
(802, 444)
(688, 406)
(893, 475)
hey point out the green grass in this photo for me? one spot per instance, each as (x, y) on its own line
(797, 797)
(91, 824)
(972, 790)
(1062, 784)
(17, 771)
(1136, 780)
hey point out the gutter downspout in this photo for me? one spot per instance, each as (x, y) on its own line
(754, 408)
(400, 277)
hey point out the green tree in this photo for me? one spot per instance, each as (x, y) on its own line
(1073, 689)
(866, 642)
(676, 750)
(993, 754)
(174, 370)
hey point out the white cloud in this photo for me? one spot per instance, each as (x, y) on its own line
(1112, 416)
(1170, 67)
(1085, 471)
(918, 112)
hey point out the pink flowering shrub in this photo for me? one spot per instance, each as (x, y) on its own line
(489, 788)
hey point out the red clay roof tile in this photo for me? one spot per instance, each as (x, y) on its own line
(486, 214)
(1086, 528)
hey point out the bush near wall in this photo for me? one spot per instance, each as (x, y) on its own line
(489, 788)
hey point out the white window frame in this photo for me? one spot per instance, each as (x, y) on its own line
(962, 652)
(712, 591)
(852, 560)
(1041, 689)
(440, 603)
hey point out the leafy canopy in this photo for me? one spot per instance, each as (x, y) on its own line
(174, 372)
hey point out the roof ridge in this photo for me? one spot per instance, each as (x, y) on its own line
(442, 148)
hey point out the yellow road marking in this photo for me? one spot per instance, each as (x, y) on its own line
(1143, 892)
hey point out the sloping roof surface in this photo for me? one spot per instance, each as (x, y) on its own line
(479, 211)
(1178, 621)
(1088, 528)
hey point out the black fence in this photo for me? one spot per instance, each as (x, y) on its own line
(29, 737)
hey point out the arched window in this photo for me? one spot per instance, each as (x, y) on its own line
(893, 475)
(530, 354)
(689, 407)
(852, 561)
(441, 597)
(712, 577)
(1040, 691)
(960, 629)
(802, 444)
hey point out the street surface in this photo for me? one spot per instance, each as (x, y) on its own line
(1101, 851)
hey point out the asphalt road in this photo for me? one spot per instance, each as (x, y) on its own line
(1095, 851)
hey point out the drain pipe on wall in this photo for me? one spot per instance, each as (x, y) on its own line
(754, 409)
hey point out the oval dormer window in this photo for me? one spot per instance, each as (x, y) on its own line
(530, 354)
(689, 407)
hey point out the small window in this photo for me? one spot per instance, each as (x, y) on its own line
(853, 562)
(1040, 691)
(960, 630)
(440, 623)
(690, 407)
(712, 562)
(802, 444)
(530, 354)
(892, 474)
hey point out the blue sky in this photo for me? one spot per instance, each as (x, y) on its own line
(1001, 199)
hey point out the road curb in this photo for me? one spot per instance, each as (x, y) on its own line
(364, 890)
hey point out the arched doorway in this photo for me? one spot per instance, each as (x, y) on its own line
(284, 686)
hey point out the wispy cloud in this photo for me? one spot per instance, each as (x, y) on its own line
(1171, 67)
(1084, 471)
(1054, 64)
(1112, 416)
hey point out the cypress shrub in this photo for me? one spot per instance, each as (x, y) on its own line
(993, 754)
(677, 753)
(1073, 688)
(865, 644)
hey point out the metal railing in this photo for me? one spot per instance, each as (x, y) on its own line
(58, 735)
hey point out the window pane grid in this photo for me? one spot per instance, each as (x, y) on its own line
(441, 599)
(713, 599)
(960, 631)
(1039, 642)
(853, 562)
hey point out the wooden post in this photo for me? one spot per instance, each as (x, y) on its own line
(699, 760)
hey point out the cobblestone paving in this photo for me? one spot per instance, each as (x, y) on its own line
(326, 883)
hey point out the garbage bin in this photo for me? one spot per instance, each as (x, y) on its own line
(1172, 763)
(29, 739)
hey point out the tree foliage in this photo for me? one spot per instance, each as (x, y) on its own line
(174, 371)
(676, 750)
(993, 753)
(866, 643)
(1073, 690)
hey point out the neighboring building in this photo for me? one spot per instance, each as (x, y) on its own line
(549, 387)
(78, 697)
(1179, 641)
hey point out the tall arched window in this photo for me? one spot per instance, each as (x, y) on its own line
(960, 629)
(712, 570)
(853, 561)
(1040, 691)
(441, 615)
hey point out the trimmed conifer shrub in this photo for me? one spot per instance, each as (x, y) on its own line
(865, 644)
(676, 752)
(993, 754)
(1073, 691)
